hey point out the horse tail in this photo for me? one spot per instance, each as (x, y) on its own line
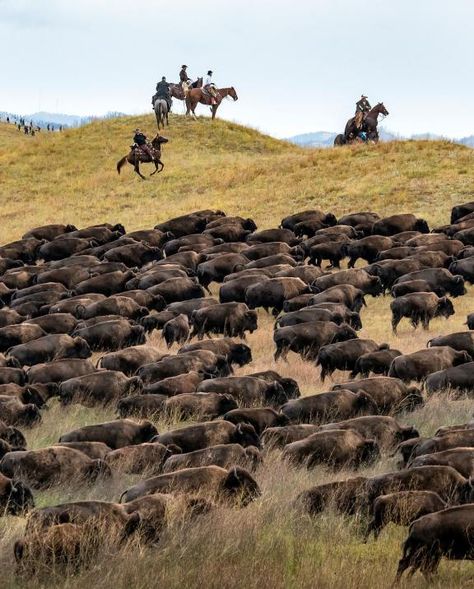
(121, 163)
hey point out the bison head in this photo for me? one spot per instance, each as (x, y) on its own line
(291, 388)
(137, 335)
(134, 385)
(461, 357)
(241, 486)
(250, 321)
(344, 332)
(241, 354)
(369, 452)
(147, 431)
(445, 307)
(457, 287)
(245, 435)
(366, 403)
(275, 394)
(14, 437)
(422, 226)
(227, 403)
(407, 433)
(375, 287)
(355, 321)
(81, 348)
(29, 415)
(20, 498)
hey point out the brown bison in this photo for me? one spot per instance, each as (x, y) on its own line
(420, 307)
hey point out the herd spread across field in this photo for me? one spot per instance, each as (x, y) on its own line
(80, 310)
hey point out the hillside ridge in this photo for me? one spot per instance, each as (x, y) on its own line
(71, 176)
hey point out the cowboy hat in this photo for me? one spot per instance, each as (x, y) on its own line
(209, 73)
(363, 96)
(184, 67)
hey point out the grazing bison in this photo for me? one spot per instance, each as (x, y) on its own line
(448, 533)
(462, 459)
(323, 407)
(114, 305)
(141, 406)
(115, 434)
(459, 378)
(444, 480)
(56, 323)
(234, 290)
(204, 405)
(470, 321)
(462, 438)
(14, 335)
(377, 362)
(59, 370)
(420, 307)
(176, 385)
(463, 340)
(129, 360)
(389, 394)
(223, 455)
(176, 330)
(437, 278)
(203, 361)
(402, 508)
(229, 319)
(414, 286)
(367, 248)
(271, 294)
(307, 315)
(279, 437)
(247, 390)
(236, 353)
(336, 448)
(56, 465)
(348, 497)
(260, 418)
(234, 486)
(290, 386)
(386, 430)
(344, 355)
(356, 277)
(177, 289)
(307, 338)
(147, 457)
(112, 335)
(95, 450)
(15, 497)
(346, 294)
(14, 412)
(99, 388)
(210, 433)
(398, 224)
(50, 347)
(419, 365)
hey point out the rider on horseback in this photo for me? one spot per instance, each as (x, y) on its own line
(362, 108)
(210, 87)
(163, 92)
(141, 140)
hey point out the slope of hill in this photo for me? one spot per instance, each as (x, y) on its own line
(72, 176)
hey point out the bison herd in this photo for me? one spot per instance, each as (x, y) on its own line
(68, 293)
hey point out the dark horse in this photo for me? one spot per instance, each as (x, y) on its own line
(136, 155)
(198, 95)
(176, 90)
(369, 125)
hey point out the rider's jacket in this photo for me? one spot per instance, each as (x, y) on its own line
(140, 139)
(363, 105)
(208, 81)
(163, 89)
(183, 76)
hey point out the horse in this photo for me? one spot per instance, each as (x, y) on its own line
(369, 125)
(161, 112)
(136, 155)
(176, 90)
(197, 95)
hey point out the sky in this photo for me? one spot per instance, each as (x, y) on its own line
(297, 65)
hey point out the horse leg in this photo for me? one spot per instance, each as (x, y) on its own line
(136, 167)
(214, 110)
(156, 167)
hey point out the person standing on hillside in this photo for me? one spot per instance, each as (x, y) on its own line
(141, 140)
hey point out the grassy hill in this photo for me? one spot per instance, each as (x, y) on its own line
(71, 176)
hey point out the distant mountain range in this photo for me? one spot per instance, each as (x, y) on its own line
(326, 138)
(43, 118)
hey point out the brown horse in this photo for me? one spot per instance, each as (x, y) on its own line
(199, 95)
(136, 155)
(369, 124)
(176, 90)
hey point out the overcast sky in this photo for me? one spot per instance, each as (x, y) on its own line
(297, 65)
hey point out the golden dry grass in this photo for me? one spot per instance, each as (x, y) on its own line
(70, 177)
